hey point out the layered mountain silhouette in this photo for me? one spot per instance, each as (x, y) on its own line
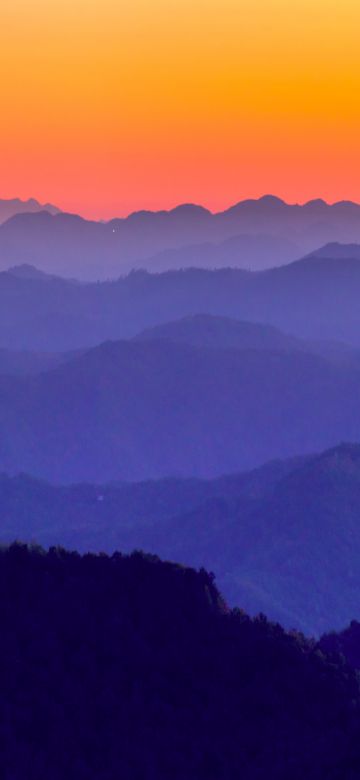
(12, 207)
(251, 252)
(257, 234)
(314, 298)
(205, 330)
(147, 409)
(27, 271)
(283, 539)
(194, 413)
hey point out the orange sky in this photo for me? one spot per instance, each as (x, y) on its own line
(112, 105)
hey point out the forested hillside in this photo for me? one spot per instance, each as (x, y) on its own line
(129, 667)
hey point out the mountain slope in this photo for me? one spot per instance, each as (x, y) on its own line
(337, 251)
(292, 553)
(345, 644)
(117, 515)
(129, 667)
(208, 330)
(204, 330)
(26, 271)
(139, 410)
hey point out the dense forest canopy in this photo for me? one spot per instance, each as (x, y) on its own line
(129, 667)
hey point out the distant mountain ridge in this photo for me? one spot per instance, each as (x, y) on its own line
(11, 207)
(315, 298)
(198, 330)
(252, 252)
(26, 271)
(251, 234)
(205, 330)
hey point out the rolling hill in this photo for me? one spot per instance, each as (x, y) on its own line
(207, 330)
(204, 330)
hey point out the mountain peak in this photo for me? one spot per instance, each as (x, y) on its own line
(341, 461)
(316, 202)
(27, 271)
(272, 200)
(345, 452)
(254, 205)
(189, 209)
(335, 250)
(12, 207)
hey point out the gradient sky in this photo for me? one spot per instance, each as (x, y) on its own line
(113, 105)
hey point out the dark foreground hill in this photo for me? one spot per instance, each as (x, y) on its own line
(346, 643)
(131, 668)
(284, 539)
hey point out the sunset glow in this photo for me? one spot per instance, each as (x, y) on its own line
(114, 106)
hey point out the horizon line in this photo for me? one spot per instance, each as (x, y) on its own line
(179, 205)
